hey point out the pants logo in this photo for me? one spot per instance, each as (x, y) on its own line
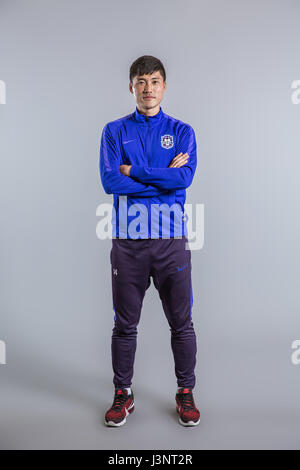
(181, 268)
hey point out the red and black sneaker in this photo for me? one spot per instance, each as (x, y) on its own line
(189, 415)
(123, 405)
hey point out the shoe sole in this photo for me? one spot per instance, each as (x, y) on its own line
(128, 410)
(189, 423)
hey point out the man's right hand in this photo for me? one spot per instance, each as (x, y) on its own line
(179, 160)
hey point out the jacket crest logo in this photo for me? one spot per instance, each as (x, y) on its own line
(167, 141)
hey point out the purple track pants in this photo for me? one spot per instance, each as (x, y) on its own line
(168, 261)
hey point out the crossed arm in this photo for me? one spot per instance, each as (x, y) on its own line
(180, 173)
(113, 181)
(146, 181)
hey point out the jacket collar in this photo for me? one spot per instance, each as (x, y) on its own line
(148, 120)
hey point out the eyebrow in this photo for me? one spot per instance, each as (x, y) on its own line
(154, 78)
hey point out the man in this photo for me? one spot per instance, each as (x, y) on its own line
(148, 159)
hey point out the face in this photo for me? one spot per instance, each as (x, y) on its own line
(148, 91)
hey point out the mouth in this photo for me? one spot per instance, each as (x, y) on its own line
(148, 97)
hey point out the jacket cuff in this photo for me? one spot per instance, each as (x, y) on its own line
(135, 171)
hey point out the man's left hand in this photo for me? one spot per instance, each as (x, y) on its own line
(125, 169)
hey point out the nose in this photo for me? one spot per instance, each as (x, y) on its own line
(148, 87)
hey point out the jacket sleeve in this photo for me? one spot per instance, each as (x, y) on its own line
(113, 181)
(172, 178)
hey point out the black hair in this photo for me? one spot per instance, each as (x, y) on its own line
(146, 65)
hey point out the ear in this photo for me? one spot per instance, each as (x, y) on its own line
(130, 87)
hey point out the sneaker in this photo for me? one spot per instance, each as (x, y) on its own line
(189, 415)
(123, 405)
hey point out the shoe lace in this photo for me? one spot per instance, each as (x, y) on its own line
(119, 400)
(186, 399)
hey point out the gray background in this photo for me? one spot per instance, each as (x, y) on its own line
(229, 67)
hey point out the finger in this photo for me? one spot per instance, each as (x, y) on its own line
(178, 164)
(180, 155)
(178, 158)
(181, 162)
(184, 157)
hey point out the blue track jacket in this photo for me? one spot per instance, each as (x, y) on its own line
(148, 143)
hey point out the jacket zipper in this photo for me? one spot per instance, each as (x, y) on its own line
(147, 119)
(147, 155)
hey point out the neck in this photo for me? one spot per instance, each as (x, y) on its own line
(149, 112)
